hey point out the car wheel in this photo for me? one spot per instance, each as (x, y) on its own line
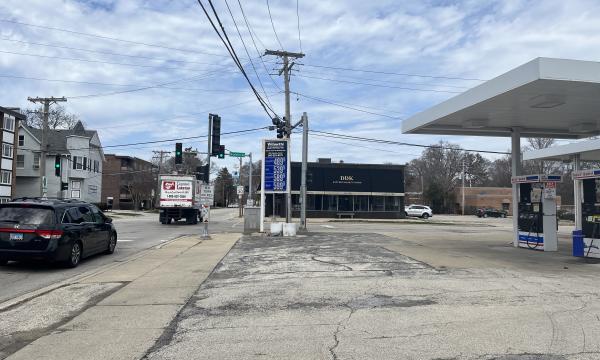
(425, 215)
(112, 243)
(503, 215)
(405, 214)
(74, 255)
(485, 215)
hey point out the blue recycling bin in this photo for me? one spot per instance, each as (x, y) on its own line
(578, 244)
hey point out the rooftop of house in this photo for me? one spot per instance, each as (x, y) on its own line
(57, 138)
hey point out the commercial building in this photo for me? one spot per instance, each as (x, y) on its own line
(8, 164)
(486, 197)
(81, 156)
(340, 189)
(127, 181)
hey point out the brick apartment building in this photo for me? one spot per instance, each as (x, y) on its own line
(128, 181)
(487, 197)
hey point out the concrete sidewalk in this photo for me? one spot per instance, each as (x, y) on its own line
(128, 322)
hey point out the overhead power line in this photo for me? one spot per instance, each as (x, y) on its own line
(112, 84)
(259, 53)
(380, 85)
(393, 73)
(384, 80)
(197, 77)
(345, 106)
(247, 53)
(273, 26)
(225, 40)
(163, 140)
(390, 142)
(110, 38)
(106, 62)
(105, 52)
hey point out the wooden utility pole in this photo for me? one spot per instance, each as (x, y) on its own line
(161, 155)
(285, 70)
(44, 148)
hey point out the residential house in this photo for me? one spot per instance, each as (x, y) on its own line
(10, 122)
(81, 160)
(128, 181)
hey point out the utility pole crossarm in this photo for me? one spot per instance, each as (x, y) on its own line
(282, 53)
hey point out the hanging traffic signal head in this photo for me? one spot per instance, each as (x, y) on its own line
(57, 169)
(215, 134)
(281, 127)
(221, 153)
(178, 153)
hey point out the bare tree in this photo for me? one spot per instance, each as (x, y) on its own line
(58, 118)
(139, 185)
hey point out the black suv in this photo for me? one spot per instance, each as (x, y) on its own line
(56, 230)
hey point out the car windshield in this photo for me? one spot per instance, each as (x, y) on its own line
(26, 215)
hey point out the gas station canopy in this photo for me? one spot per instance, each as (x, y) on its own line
(586, 150)
(556, 98)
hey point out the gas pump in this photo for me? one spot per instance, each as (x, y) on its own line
(537, 225)
(586, 242)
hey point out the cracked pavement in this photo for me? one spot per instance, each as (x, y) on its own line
(349, 296)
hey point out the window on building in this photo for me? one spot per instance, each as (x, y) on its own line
(96, 166)
(310, 202)
(345, 203)
(4, 200)
(36, 160)
(77, 163)
(6, 177)
(361, 203)
(21, 140)
(9, 122)
(20, 161)
(85, 163)
(392, 203)
(377, 203)
(330, 202)
(7, 150)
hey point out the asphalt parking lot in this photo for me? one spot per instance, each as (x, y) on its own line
(434, 292)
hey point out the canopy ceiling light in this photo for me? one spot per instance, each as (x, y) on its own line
(584, 127)
(546, 101)
(475, 123)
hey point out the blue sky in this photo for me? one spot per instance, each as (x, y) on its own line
(458, 39)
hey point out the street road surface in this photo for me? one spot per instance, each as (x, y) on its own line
(136, 233)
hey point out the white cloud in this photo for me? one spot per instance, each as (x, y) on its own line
(458, 39)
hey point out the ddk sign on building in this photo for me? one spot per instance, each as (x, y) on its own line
(276, 166)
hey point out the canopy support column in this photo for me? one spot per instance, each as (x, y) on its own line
(516, 170)
(577, 196)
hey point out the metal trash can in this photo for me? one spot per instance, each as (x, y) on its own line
(251, 219)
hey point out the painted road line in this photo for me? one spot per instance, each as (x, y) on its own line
(328, 226)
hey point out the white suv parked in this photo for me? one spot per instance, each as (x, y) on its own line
(421, 211)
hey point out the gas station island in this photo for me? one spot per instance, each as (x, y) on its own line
(586, 237)
(546, 97)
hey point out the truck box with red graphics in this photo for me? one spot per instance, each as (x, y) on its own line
(178, 199)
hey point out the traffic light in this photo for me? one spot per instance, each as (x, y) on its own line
(202, 173)
(178, 153)
(57, 170)
(221, 153)
(215, 134)
(280, 127)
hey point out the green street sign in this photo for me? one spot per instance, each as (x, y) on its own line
(237, 154)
